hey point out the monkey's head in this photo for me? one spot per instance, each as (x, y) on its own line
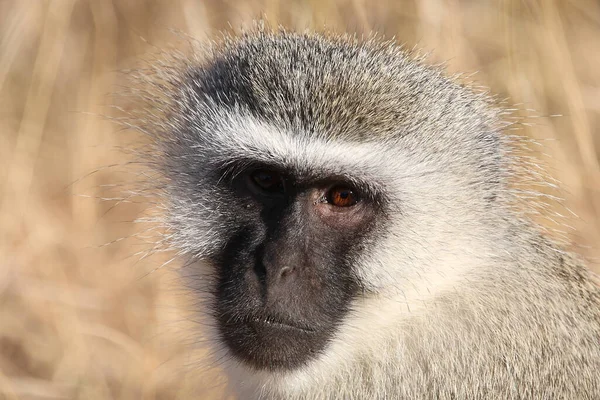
(317, 178)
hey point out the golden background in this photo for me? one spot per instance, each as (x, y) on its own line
(83, 313)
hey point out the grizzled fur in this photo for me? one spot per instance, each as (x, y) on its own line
(460, 295)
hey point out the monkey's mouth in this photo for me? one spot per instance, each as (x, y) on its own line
(272, 342)
(271, 322)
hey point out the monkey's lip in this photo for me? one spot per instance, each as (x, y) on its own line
(278, 323)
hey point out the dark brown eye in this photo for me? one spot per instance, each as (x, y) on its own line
(341, 196)
(269, 181)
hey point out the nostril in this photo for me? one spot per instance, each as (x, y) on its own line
(285, 271)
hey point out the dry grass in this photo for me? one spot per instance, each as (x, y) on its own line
(82, 320)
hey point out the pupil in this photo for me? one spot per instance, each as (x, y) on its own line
(270, 181)
(342, 196)
(266, 178)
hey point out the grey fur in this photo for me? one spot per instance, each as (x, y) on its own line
(485, 305)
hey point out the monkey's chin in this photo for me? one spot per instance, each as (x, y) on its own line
(270, 343)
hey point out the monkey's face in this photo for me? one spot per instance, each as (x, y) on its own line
(319, 179)
(285, 275)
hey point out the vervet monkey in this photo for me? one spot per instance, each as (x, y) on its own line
(351, 225)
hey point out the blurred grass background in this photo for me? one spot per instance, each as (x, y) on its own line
(83, 320)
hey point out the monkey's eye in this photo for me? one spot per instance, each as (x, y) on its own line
(342, 196)
(268, 181)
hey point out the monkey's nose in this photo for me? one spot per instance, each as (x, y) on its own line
(279, 264)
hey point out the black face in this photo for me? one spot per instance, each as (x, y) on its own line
(286, 278)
